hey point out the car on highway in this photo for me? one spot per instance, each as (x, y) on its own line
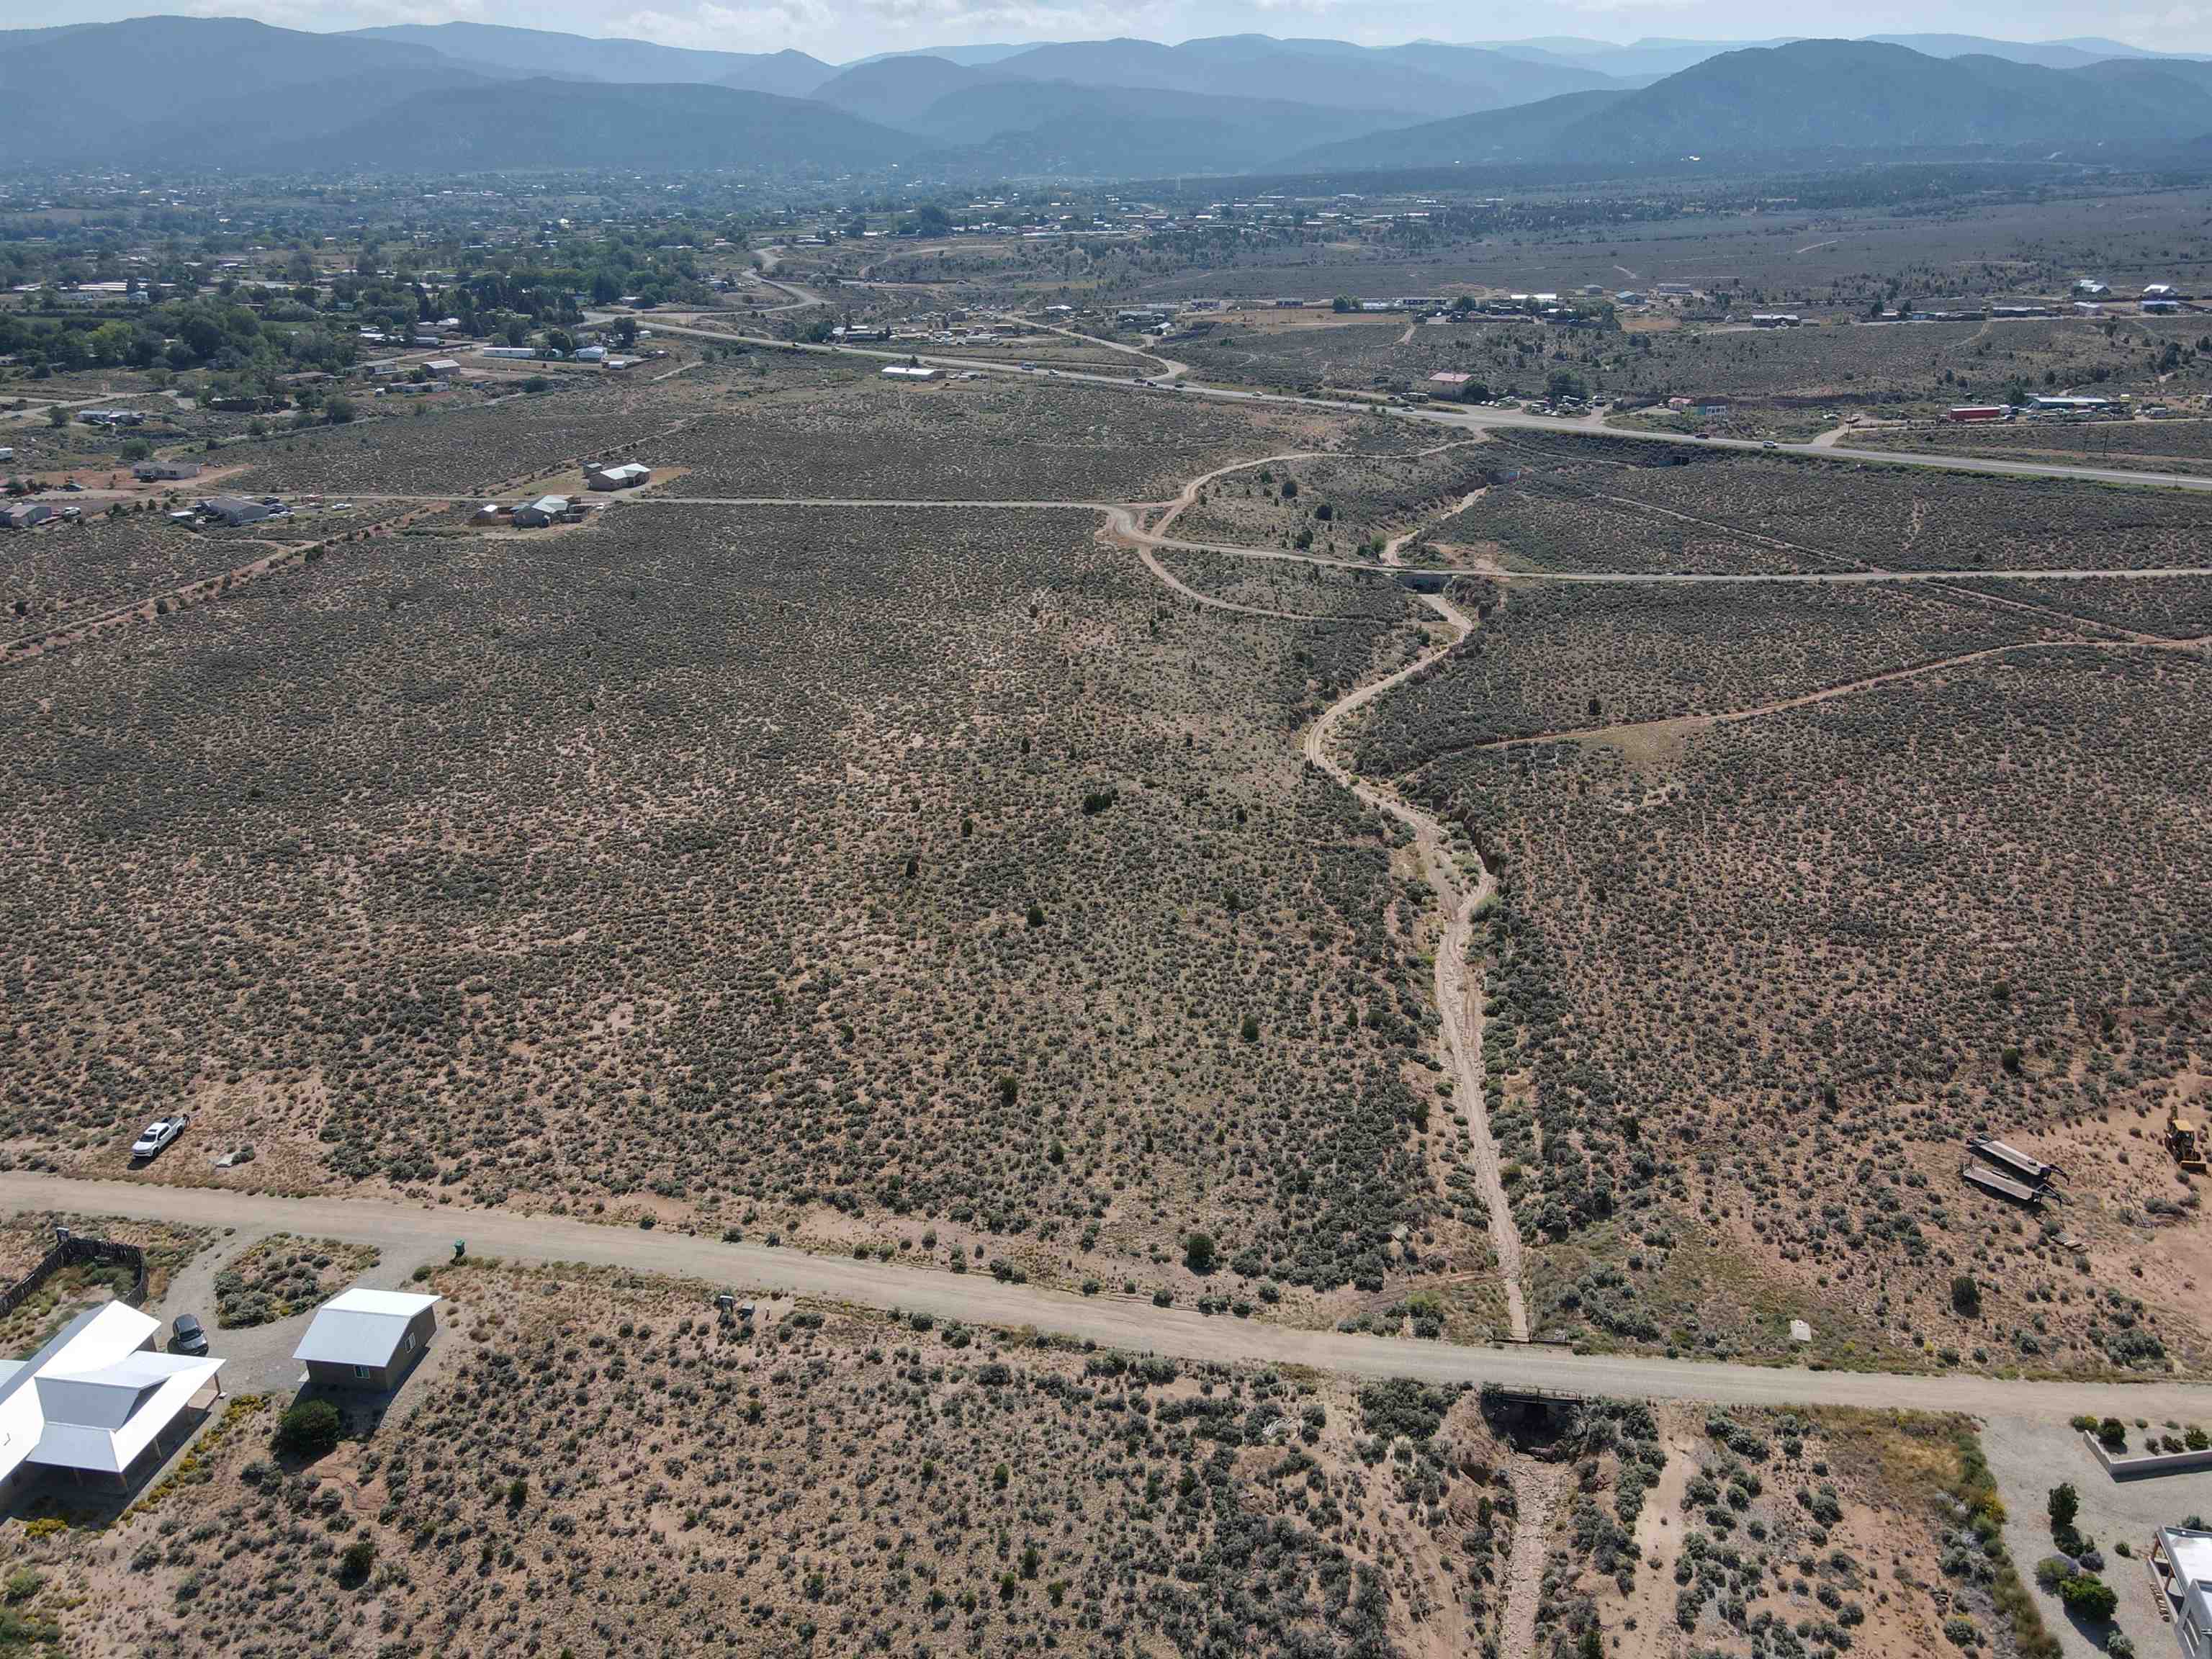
(187, 1336)
(159, 1134)
(1769, 444)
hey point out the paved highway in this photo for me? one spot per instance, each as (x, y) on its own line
(1473, 419)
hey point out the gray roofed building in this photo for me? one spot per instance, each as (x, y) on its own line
(367, 1339)
(545, 510)
(235, 510)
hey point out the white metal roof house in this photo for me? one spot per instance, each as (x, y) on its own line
(2181, 1557)
(95, 1405)
(631, 473)
(365, 1339)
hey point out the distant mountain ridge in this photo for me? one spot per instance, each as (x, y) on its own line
(524, 53)
(1809, 97)
(541, 123)
(162, 87)
(247, 96)
(1035, 127)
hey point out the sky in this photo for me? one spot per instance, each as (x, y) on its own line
(839, 31)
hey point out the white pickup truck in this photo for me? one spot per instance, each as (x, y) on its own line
(159, 1134)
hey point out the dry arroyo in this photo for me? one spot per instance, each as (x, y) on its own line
(1461, 892)
(1459, 993)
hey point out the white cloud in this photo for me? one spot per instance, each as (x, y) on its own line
(356, 13)
(847, 29)
(941, 20)
(1601, 7)
(711, 28)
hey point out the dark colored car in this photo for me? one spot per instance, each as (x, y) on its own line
(186, 1335)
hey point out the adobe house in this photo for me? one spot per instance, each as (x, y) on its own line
(366, 1339)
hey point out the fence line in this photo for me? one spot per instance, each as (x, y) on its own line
(74, 1249)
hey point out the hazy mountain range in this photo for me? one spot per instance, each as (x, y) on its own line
(465, 97)
(1811, 99)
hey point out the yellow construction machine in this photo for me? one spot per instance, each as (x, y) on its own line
(2185, 1141)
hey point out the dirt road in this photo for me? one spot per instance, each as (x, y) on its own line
(425, 1232)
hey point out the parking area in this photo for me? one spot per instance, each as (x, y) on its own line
(258, 1358)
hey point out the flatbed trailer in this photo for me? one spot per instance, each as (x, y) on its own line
(2013, 1161)
(2003, 1186)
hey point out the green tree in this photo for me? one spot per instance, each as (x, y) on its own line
(309, 1430)
(1342, 304)
(2088, 1596)
(1965, 1297)
(357, 1562)
(337, 410)
(1198, 1252)
(2063, 1503)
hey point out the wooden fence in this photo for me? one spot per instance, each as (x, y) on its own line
(70, 1250)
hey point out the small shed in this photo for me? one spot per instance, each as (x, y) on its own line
(369, 1340)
